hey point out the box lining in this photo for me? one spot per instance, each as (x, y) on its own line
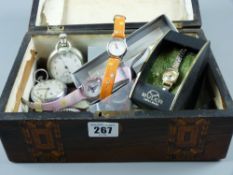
(75, 12)
(12, 99)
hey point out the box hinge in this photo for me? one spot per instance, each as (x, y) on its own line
(55, 29)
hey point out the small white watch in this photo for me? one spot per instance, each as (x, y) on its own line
(64, 60)
(117, 47)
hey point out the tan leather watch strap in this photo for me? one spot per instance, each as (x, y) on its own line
(119, 27)
(109, 77)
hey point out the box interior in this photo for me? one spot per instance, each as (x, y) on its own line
(44, 45)
(74, 12)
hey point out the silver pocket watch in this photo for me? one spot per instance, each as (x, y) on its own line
(47, 90)
(64, 60)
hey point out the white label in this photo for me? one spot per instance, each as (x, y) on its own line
(102, 129)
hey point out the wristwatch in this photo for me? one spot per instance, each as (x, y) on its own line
(64, 60)
(171, 75)
(116, 49)
(89, 91)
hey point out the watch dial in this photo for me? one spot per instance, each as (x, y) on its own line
(63, 64)
(117, 47)
(170, 76)
(92, 88)
(47, 91)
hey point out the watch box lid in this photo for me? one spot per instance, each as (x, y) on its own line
(98, 14)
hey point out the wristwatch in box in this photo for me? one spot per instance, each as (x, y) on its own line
(171, 75)
(157, 85)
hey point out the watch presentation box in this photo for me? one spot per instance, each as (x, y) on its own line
(202, 131)
(149, 91)
(146, 36)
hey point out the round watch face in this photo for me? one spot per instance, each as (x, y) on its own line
(92, 88)
(117, 47)
(63, 63)
(170, 76)
(48, 91)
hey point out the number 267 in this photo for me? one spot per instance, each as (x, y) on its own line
(103, 130)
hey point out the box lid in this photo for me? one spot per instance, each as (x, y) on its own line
(98, 14)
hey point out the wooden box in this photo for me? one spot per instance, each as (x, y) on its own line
(202, 131)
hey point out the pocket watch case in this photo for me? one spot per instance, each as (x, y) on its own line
(201, 131)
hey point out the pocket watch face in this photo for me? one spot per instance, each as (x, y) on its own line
(92, 88)
(62, 64)
(48, 91)
(117, 47)
(170, 76)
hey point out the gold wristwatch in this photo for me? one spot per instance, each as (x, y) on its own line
(171, 75)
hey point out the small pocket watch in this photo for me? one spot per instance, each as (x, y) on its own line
(64, 60)
(57, 100)
(47, 90)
